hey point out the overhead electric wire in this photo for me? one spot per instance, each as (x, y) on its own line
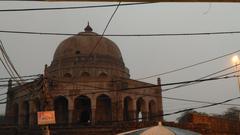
(108, 23)
(223, 76)
(200, 107)
(6, 67)
(196, 101)
(6, 61)
(124, 35)
(187, 84)
(190, 66)
(75, 7)
(152, 86)
(26, 76)
(9, 61)
(28, 79)
(3, 99)
(3, 94)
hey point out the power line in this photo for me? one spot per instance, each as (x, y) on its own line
(3, 99)
(3, 94)
(200, 107)
(26, 76)
(9, 63)
(108, 23)
(76, 7)
(190, 66)
(197, 101)
(194, 108)
(6, 67)
(28, 79)
(124, 35)
(187, 84)
(152, 86)
(9, 70)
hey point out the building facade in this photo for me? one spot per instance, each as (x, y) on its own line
(87, 83)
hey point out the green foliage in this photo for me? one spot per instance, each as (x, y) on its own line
(232, 113)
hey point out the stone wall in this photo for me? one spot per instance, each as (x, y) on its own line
(77, 129)
(212, 125)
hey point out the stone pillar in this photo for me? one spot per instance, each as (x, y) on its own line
(93, 120)
(70, 110)
(93, 109)
(20, 113)
(120, 110)
(134, 110)
(146, 112)
(32, 113)
(115, 107)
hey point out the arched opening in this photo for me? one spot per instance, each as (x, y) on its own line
(127, 109)
(152, 109)
(61, 110)
(15, 113)
(85, 75)
(26, 113)
(82, 106)
(141, 107)
(67, 75)
(103, 75)
(103, 109)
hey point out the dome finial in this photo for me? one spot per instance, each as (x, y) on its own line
(88, 28)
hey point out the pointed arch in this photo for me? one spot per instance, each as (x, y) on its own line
(141, 109)
(103, 108)
(82, 109)
(152, 109)
(61, 110)
(128, 108)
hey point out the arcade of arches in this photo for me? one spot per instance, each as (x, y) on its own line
(88, 110)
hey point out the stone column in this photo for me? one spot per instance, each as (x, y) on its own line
(32, 113)
(133, 110)
(120, 110)
(20, 113)
(115, 109)
(70, 110)
(146, 112)
(93, 109)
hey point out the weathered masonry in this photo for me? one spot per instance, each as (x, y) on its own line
(87, 84)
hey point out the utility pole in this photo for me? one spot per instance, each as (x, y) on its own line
(45, 100)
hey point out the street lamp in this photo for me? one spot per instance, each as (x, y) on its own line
(236, 62)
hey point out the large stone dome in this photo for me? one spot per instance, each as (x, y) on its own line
(88, 53)
(86, 43)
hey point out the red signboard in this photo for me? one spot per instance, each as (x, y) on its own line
(46, 117)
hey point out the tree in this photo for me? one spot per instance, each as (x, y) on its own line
(232, 113)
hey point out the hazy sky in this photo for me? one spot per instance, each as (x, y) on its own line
(143, 56)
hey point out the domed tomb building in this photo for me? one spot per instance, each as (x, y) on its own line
(87, 83)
